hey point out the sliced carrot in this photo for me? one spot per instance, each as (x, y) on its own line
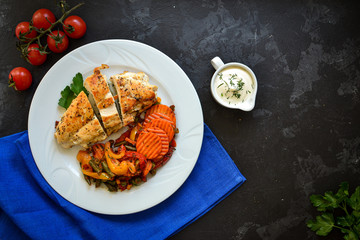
(157, 115)
(164, 141)
(163, 124)
(161, 108)
(147, 168)
(148, 144)
(98, 151)
(130, 141)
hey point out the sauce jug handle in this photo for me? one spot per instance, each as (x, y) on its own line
(216, 62)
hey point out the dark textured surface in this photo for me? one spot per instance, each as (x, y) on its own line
(303, 136)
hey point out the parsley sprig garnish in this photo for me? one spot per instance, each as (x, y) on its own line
(330, 205)
(70, 92)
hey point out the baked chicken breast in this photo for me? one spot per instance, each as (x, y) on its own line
(103, 101)
(135, 94)
(79, 125)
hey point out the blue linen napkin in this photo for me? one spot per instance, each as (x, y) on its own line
(30, 208)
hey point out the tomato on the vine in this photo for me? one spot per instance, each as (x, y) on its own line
(23, 28)
(43, 18)
(74, 27)
(57, 41)
(20, 78)
(34, 55)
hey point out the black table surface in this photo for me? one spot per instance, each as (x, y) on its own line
(303, 136)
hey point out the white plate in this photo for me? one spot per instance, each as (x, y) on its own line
(60, 167)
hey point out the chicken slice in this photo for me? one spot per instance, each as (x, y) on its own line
(103, 100)
(71, 130)
(135, 94)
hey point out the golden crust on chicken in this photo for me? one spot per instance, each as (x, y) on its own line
(103, 100)
(135, 94)
(78, 115)
(89, 134)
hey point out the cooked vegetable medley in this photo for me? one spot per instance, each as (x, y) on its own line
(147, 145)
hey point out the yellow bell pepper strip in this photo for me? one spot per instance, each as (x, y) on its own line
(115, 166)
(88, 171)
(111, 154)
(133, 133)
(83, 157)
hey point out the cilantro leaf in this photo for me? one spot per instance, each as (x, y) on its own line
(322, 225)
(77, 85)
(66, 97)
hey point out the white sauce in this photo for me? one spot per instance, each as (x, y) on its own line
(234, 85)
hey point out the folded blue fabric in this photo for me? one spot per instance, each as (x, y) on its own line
(30, 208)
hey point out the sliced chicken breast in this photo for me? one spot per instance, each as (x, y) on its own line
(103, 100)
(135, 94)
(75, 123)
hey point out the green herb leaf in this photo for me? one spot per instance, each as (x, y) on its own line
(77, 84)
(322, 203)
(66, 97)
(332, 200)
(70, 93)
(343, 192)
(322, 225)
(357, 228)
(346, 221)
(354, 201)
(351, 236)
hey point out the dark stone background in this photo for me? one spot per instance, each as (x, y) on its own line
(303, 137)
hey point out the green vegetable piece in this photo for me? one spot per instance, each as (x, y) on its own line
(94, 166)
(107, 170)
(322, 225)
(77, 85)
(66, 97)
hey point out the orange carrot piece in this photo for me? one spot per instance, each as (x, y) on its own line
(148, 144)
(130, 141)
(157, 115)
(161, 108)
(98, 151)
(147, 168)
(164, 141)
(163, 124)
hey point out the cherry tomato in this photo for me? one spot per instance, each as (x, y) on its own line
(34, 56)
(20, 78)
(74, 27)
(43, 18)
(23, 28)
(57, 41)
